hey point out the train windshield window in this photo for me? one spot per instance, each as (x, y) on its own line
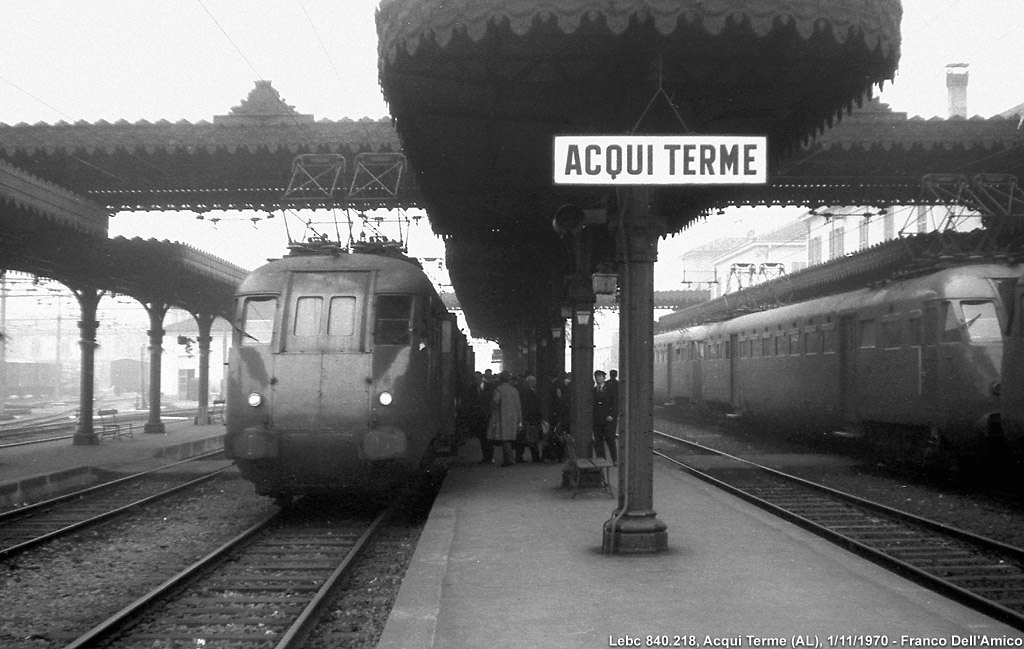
(393, 315)
(982, 321)
(257, 324)
(307, 315)
(342, 320)
(951, 324)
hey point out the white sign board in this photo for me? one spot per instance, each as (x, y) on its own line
(660, 160)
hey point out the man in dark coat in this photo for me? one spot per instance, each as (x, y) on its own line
(478, 406)
(529, 400)
(559, 409)
(606, 416)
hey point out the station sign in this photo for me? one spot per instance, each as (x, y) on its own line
(660, 160)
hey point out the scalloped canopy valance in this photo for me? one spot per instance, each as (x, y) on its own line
(404, 24)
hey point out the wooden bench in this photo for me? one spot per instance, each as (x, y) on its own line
(217, 412)
(109, 426)
(583, 473)
(590, 472)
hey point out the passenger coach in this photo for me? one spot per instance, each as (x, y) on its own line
(914, 365)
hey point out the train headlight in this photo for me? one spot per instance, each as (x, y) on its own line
(255, 399)
(385, 398)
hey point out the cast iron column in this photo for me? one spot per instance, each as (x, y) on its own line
(156, 311)
(205, 323)
(582, 418)
(634, 526)
(88, 301)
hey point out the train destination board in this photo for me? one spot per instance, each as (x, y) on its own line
(660, 160)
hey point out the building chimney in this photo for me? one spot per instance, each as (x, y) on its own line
(956, 83)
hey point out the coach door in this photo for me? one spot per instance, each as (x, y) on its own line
(322, 368)
(697, 369)
(733, 353)
(848, 345)
(671, 367)
(930, 375)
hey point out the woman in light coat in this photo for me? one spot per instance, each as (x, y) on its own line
(506, 418)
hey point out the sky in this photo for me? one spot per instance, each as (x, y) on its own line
(189, 60)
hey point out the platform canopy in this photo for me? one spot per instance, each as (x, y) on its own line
(479, 88)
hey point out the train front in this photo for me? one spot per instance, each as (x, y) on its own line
(330, 375)
(1013, 374)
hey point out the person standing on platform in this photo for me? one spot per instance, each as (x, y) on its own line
(506, 418)
(529, 437)
(613, 380)
(606, 416)
(478, 405)
(559, 408)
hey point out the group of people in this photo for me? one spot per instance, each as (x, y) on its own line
(502, 410)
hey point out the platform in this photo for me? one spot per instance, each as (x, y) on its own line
(509, 559)
(34, 472)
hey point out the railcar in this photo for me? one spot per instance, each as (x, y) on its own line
(1013, 372)
(30, 379)
(343, 373)
(914, 365)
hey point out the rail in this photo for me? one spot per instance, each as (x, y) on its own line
(976, 571)
(27, 527)
(280, 574)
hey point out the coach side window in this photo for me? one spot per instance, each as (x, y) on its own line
(257, 325)
(892, 332)
(393, 317)
(867, 334)
(829, 339)
(914, 329)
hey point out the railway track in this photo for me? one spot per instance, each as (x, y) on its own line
(62, 426)
(981, 573)
(28, 527)
(263, 588)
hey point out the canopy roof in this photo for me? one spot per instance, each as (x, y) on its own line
(479, 88)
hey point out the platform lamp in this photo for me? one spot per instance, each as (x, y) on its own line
(604, 283)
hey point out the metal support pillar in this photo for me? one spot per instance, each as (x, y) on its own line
(205, 322)
(88, 302)
(582, 417)
(533, 353)
(156, 311)
(634, 526)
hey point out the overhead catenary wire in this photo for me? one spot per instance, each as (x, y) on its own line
(287, 109)
(323, 47)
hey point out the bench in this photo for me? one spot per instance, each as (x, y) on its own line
(590, 472)
(581, 473)
(217, 413)
(109, 426)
